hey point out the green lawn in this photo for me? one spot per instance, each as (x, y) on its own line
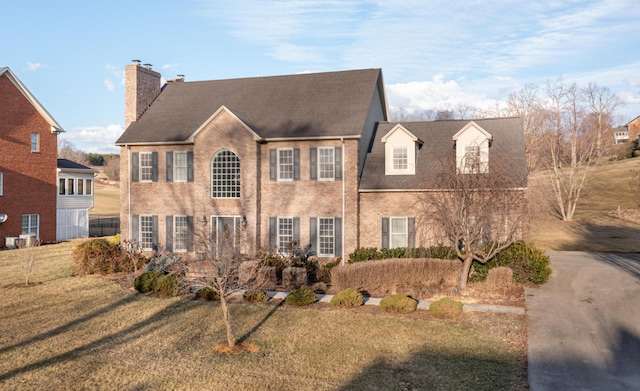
(91, 333)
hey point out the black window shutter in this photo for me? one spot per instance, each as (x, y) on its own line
(273, 164)
(338, 162)
(411, 240)
(190, 233)
(296, 164)
(135, 235)
(154, 167)
(135, 171)
(313, 234)
(296, 228)
(337, 234)
(313, 163)
(273, 232)
(189, 166)
(154, 222)
(170, 166)
(169, 232)
(385, 232)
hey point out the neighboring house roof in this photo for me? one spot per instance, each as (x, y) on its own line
(315, 105)
(507, 147)
(67, 165)
(55, 127)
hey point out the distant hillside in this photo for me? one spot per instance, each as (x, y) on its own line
(607, 217)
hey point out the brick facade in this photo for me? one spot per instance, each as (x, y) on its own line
(29, 178)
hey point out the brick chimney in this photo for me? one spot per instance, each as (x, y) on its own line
(141, 88)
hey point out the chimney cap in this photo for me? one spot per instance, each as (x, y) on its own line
(137, 62)
(148, 66)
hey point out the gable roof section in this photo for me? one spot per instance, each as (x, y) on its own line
(315, 105)
(400, 128)
(507, 147)
(55, 127)
(474, 125)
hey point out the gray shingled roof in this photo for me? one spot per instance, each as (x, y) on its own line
(304, 105)
(507, 148)
(66, 164)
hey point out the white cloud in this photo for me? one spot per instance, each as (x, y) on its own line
(98, 139)
(116, 73)
(109, 84)
(34, 66)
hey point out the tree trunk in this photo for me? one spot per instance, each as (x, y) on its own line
(466, 267)
(227, 321)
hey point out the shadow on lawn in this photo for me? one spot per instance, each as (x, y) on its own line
(146, 326)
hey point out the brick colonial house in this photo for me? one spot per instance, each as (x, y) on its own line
(28, 163)
(310, 157)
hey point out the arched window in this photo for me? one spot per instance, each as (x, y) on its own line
(225, 175)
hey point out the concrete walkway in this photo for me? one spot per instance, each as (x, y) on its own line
(422, 305)
(584, 330)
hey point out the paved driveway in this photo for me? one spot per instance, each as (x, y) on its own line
(584, 331)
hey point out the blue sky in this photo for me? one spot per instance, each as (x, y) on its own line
(434, 54)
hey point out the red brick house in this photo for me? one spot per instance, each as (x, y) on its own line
(281, 158)
(28, 163)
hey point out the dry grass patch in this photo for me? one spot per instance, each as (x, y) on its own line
(90, 333)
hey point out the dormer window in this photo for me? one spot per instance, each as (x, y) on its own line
(472, 149)
(400, 150)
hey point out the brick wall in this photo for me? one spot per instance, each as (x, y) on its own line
(29, 183)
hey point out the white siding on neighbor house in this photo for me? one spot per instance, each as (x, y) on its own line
(75, 200)
(72, 223)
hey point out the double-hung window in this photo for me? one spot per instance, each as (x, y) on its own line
(80, 186)
(180, 166)
(285, 164)
(285, 233)
(146, 167)
(146, 232)
(400, 158)
(35, 142)
(71, 189)
(88, 190)
(180, 233)
(399, 231)
(471, 162)
(326, 237)
(30, 224)
(326, 163)
(62, 186)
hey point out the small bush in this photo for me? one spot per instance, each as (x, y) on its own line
(527, 262)
(402, 304)
(323, 273)
(207, 294)
(101, 256)
(445, 308)
(301, 296)
(256, 296)
(170, 284)
(348, 298)
(147, 281)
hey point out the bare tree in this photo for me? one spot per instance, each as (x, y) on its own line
(222, 268)
(478, 213)
(526, 105)
(29, 255)
(112, 169)
(602, 104)
(67, 150)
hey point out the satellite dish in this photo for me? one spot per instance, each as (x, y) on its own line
(3, 218)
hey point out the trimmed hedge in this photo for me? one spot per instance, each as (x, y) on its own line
(445, 308)
(347, 298)
(301, 296)
(373, 254)
(102, 256)
(402, 304)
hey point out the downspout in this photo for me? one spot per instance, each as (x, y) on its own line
(129, 190)
(344, 179)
